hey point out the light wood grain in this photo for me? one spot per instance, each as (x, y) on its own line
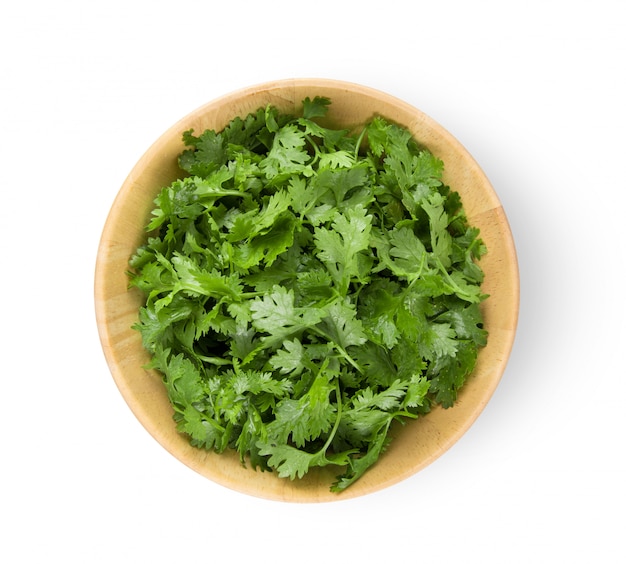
(419, 442)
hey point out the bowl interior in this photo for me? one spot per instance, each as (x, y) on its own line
(415, 444)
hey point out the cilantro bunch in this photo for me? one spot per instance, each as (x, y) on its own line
(305, 288)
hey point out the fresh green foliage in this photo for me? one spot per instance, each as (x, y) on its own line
(306, 288)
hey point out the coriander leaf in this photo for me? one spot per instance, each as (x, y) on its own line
(210, 318)
(321, 214)
(376, 363)
(212, 185)
(255, 222)
(338, 247)
(314, 285)
(408, 359)
(413, 312)
(441, 240)
(277, 315)
(293, 463)
(336, 159)
(406, 254)
(339, 182)
(287, 155)
(441, 339)
(342, 326)
(385, 400)
(176, 204)
(244, 132)
(195, 280)
(265, 248)
(243, 342)
(416, 392)
(378, 307)
(203, 430)
(207, 154)
(306, 418)
(303, 194)
(318, 107)
(384, 137)
(182, 378)
(250, 381)
(289, 461)
(416, 174)
(289, 359)
(447, 374)
(466, 320)
(359, 465)
(252, 431)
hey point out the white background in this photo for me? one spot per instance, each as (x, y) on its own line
(535, 90)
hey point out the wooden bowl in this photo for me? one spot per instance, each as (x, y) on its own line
(416, 444)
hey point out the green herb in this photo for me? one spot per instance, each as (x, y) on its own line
(305, 288)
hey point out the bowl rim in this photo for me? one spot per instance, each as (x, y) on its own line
(104, 308)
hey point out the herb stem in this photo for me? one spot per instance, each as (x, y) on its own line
(457, 290)
(338, 348)
(341, 351)
(358, 143)
(330, 438)
(217, 361)
(315, 149)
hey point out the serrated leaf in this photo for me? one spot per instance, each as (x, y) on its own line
(289, 358)
(406, 254)
(287, 155)
(338, 248)
(306, 418)
(336, 159)
(318, 107)
(441, 240)
(277, 314)
(342, 325)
